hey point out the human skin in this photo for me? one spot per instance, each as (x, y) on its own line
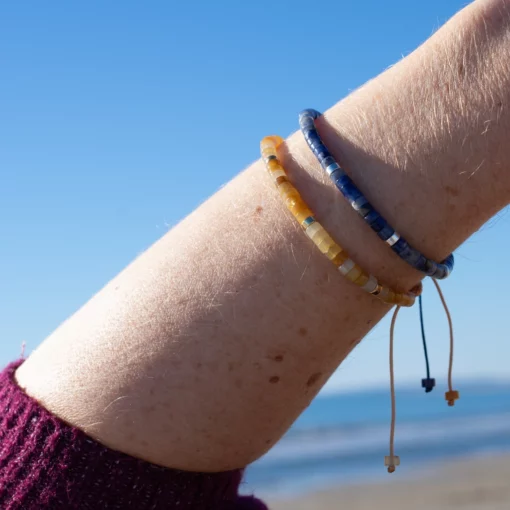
(204, 350)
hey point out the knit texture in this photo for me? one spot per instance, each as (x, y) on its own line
(46, 464)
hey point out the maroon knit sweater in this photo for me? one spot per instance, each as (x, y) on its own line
(46, 464)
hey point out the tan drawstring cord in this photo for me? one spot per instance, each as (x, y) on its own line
(392, 460)
(451, 395)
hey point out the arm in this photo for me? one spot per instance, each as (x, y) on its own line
(206, 348)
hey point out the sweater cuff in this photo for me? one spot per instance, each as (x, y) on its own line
(47, 464)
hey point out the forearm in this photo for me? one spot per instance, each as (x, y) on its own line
(202, 352)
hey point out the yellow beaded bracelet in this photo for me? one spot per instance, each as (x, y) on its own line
(316, 232)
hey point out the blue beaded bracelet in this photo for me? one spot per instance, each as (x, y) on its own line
(363, 207)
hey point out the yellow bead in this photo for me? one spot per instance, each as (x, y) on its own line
(325, 244)
(286, 188)
(322, 239)
(302, 214)
(276, 140)
(409, 300)
(401, 299)
(299, 209)
(314, 229)
(406, 299)
(291, 199)
(273, 165)
(276, 174)
(268, 151)
(270, 143)
(354, 273)
(397, 300)
(390, 297)
(333, 252)
(361, 279)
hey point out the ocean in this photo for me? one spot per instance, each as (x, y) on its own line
(343, 438)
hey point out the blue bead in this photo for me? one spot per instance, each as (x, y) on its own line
(378, 224)
(339, 177)
(416, 258)
(323, 154)
(400, 246)
(372, 217)
(363, 208)
(430, 267)
(350, 191)
(428, 384)
(449, 261)
(329, 160)
(386, 232)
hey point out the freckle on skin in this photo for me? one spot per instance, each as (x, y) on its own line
(452, 191)
(231, 366)
(274, 379)
(278, 359)
(313, 379)
(303, 331)
(259, 209)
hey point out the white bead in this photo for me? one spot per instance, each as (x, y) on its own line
(393, 239)
(331, 168)
(346, 266)
(359, 203)
(371, 285)
(313, 229)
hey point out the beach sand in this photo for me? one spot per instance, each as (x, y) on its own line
(480, 483)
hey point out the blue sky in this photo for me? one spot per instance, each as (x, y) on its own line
(119, 118)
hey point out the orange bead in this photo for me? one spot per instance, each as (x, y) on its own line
(451, 397)
(340, 258)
